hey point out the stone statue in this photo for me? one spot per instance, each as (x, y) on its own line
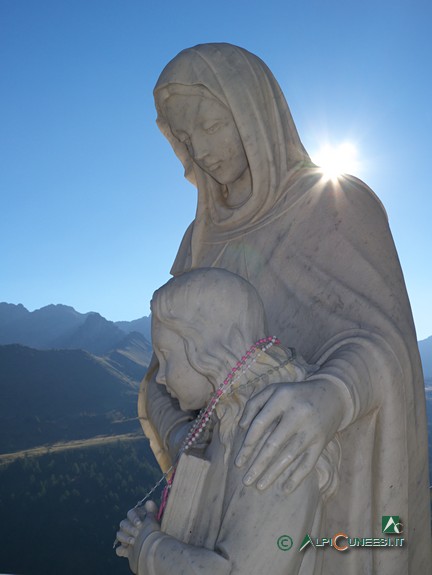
(203, 321)
(320, 254)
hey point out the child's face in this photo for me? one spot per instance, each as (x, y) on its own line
(182, 381)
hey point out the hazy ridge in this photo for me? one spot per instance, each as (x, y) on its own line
(61, 327)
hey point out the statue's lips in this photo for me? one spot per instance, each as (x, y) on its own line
(213, 167)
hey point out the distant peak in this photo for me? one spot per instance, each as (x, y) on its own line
(58, 310)
(19, 306)
(95, 317)
(58, 306)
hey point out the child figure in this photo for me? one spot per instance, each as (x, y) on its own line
(210, 338)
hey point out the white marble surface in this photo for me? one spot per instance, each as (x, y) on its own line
(321, 256)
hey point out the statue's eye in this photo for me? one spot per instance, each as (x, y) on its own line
(212, 128)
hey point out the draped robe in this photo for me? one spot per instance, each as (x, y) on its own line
(321, 255)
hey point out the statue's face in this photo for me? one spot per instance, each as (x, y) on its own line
(208, 130)
(182, 381)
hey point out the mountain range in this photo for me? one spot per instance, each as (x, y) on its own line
(66, 376)
(425, 348)
(61, 327)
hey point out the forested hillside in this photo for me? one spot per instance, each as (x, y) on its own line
(60, 512)
(61, 395)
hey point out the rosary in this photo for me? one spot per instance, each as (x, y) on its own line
(204, 416)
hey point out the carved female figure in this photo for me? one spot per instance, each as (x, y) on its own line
(321, 256)
(197, 337)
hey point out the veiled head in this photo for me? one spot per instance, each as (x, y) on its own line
(239, 82)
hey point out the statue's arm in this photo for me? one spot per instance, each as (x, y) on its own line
(165, 415)
(248, 536)
(354, 369)
(152, 552)
(308, 414)
(252, 526)
(161, 418)
(162, 554)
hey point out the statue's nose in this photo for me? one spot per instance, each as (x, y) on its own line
(200, 150)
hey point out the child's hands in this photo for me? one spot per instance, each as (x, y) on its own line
(134, 530)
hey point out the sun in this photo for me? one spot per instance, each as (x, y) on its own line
(337, 160)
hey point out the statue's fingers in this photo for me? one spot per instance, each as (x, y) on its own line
(254, 405)
(122, 551)
(127, 527)
(253, 437)
(282, 461)
(134, 517)
(262, 426)
(125, 538)
(151, 507)
(270, 450)
(303, 467)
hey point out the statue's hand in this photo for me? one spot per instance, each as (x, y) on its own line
(133, 532)
(297, 420)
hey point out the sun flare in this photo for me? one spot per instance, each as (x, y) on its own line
(337, 160)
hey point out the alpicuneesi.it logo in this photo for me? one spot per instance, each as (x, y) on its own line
(391, 525)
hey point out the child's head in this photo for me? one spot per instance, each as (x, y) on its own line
(202, 323)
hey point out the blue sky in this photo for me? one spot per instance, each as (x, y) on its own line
(93, 200)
